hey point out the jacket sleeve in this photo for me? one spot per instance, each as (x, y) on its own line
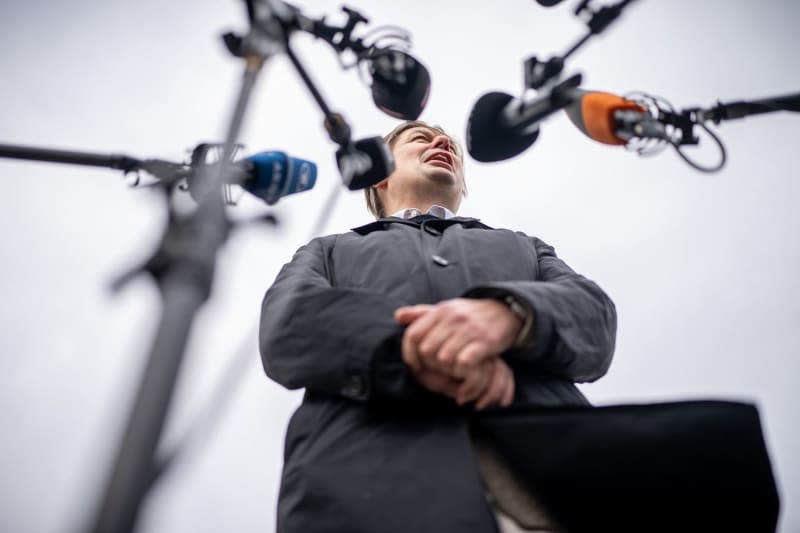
(340, 341)
(574, 321)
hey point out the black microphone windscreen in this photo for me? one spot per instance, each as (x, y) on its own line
(400, 84)
(488, 138)
(365, 163)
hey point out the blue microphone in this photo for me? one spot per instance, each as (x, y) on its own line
(273, 175)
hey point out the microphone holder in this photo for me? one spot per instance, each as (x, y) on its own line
(677, 127)
(183, 267)
(538, 73)
(284, 19)
(168, 173)
(545, 77)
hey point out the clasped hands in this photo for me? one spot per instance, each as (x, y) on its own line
(454, 348)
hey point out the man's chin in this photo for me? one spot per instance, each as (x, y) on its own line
(441, 174)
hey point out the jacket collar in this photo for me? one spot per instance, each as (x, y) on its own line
(440, 224)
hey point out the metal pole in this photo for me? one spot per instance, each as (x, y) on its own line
(189, 250)
(117, 161)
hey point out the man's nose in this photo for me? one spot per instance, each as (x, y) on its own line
(441, 141)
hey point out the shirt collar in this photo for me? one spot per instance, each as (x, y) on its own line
(385, 223)
(435, 210)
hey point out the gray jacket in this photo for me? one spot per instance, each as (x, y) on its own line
(370, 450)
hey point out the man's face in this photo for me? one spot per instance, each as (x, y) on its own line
(427, 158)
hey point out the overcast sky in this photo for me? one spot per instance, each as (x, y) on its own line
(703, 268)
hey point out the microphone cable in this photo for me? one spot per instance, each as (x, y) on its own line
(708, 169)
(677, 131)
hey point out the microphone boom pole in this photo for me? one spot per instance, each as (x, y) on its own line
(167, 172)
(183, 267)
(741, 109)
(30, 153)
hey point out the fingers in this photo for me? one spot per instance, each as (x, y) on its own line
(490, 384)
(449, 350)
(430, 346)
(415, 333)
(454, 336)
(437, 382)
(410, 353)
(494, 390)
(474, 383)
(508, 397)
(471, 356)
(407, 315)
(424, 336)
(500, 390)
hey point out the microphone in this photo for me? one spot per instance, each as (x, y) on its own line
(273, 175)
(267, 175)
(489, 137)
(400, 84)
(611, 119)
(364, 163)
(501, 126)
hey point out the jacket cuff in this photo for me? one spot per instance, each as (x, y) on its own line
(389, 376)
(537, 328)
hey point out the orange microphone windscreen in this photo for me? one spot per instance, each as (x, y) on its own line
(597, 112)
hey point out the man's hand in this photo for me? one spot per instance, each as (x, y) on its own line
(456, 336)
(437, 381)
(452, 348)
(491, 383)
(500, 390)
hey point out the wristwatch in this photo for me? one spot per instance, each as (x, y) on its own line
(523, 313)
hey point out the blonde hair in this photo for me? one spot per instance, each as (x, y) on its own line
(374, 203)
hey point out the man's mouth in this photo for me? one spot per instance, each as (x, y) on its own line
(440, 159)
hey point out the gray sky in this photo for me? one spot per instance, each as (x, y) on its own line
(703, 268)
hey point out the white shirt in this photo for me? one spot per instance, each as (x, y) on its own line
(435, 210)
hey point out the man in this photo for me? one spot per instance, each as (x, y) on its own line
(400, 331)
